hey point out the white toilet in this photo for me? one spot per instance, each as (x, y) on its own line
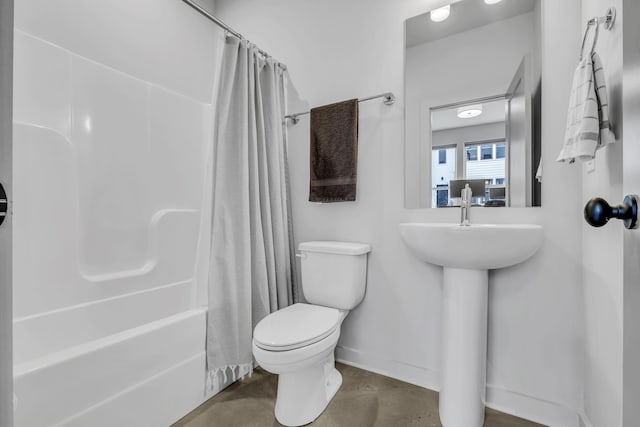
(297, 342)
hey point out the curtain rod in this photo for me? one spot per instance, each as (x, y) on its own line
(227, 28)
(389, 99)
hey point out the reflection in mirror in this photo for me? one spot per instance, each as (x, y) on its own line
(472, 109)
(468, 142)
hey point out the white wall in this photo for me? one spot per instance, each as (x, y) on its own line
(6, 90)
(631, 185)
(602, 247)
(337, 50)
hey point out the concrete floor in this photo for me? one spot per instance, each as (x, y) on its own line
(364, 400)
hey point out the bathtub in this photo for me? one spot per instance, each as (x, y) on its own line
(133, 372)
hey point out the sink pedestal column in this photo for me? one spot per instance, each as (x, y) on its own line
(464, 347)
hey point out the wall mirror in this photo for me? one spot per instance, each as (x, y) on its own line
(472, 104)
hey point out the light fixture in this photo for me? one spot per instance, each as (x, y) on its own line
(87, 124)
(469, 111)
(492, 1)
(441, 13)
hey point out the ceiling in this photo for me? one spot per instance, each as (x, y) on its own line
(465, 15)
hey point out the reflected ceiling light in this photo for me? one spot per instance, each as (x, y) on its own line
(492, 1)
(87, 124)
(441, 13)
(470, 111)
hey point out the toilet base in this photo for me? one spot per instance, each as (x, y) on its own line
(303, 395)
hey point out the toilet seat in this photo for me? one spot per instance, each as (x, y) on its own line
(296, 326)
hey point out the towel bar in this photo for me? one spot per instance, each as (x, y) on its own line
(388, 98)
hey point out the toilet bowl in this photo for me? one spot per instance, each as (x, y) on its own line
(307, 378)
(297, 342)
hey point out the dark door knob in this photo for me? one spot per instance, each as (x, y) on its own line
(598, 212)
(4, 204)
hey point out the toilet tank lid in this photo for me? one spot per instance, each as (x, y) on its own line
(330, 247)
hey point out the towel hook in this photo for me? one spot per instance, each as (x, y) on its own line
(607, 20)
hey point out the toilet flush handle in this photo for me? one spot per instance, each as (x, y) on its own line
(302, 255)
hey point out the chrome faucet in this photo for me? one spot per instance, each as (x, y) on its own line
(465, 207)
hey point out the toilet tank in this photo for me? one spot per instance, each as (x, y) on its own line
(334, 274)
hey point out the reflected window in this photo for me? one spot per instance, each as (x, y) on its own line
(486, 151)
(443, 170)
(442, 157)
(482, 160)
(490, 167)
(472, 153)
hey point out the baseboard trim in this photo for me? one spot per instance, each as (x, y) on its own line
(545, 412)
(408, 373)
(531, 408)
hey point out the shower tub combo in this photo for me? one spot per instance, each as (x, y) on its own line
(108, 183)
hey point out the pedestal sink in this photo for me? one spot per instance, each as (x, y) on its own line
(467, 254)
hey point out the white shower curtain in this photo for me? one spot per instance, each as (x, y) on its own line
(251, 271)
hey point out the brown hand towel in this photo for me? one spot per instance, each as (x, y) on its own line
(334, 152)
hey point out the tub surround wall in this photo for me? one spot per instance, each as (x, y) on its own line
(535, 355)
(112, 123)
(113, 127)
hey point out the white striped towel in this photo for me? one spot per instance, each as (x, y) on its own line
(588, 128)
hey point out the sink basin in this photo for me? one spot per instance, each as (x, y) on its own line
(477, 247)
(466, 255)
